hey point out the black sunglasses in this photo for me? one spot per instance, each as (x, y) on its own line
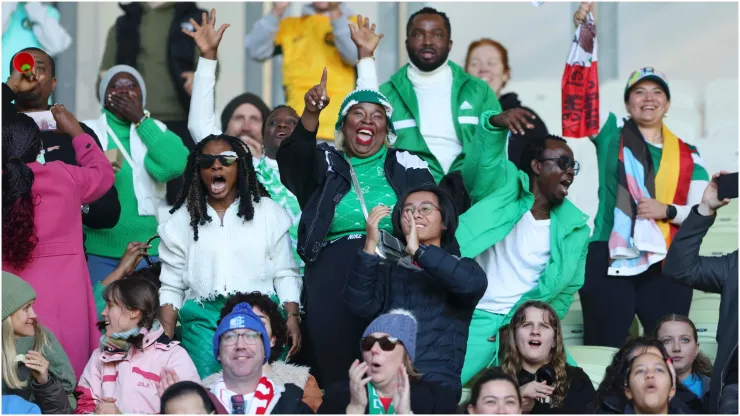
(146, 256)
(565, 163)
(206, 161)
(386, 343)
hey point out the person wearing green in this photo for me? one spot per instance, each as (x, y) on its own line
(149, 156)
(45, 377)
(436, 103)
(521, 229)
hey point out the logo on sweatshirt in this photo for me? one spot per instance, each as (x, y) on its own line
(466, 106)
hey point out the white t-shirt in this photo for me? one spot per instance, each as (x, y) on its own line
(514, 264)
(434, 95)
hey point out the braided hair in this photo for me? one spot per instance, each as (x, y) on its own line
(21, 145)
(195, 193)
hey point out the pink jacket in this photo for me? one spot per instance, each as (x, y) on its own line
(58, 270)
(132, 378)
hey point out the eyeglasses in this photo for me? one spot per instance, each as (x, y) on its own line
(424, 209)
(565, 162)
(206, 161)
(386, 343)
(250, 338)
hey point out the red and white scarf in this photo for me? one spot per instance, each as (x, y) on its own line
(258, 404)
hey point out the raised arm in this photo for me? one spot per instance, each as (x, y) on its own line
(485, 166)
(202, 120)
(366, 41)
(94, 177)
(296, 156)
(260, 42)
(683, 262)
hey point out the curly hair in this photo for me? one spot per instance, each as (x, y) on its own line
(136, 294)
(21, 145)
(702, 364)
(278, 325)
(195, 193)
(512, 362)
(613, 382)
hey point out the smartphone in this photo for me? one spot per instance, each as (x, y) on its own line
(727, 186)
(44, 120)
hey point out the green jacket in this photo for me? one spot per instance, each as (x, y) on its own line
(470, 97)
(500, 196)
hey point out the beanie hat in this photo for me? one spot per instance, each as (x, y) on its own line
(644, 74)
(16, 293)
(241, 317)
(398, 323)
(115, 71)
(246, 98)
(357, 97)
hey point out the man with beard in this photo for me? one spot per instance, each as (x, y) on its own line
(246, 117)
(103, 213)
(435, 102)
(521, 229)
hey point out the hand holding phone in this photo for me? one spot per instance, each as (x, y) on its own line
(717, 194)
(727, 186)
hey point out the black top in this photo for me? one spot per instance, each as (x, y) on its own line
(578, 396)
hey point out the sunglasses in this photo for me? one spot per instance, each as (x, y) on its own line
(565, 163)
(386, 343)
(226, 159)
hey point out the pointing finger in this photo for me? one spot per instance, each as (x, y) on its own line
(323, 81)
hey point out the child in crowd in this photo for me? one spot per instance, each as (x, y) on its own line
(649, 385)
(35, 366)
(187, 397)
(123, 374)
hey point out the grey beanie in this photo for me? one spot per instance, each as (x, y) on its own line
(398, 323)
(115, 71)
(16, 293)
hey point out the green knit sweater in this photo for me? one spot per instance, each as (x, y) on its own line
(165, 160)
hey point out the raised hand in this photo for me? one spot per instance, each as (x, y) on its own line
(20, 82)
(294, 333)
(364, 37)
(402, 396)
(66, 122)
(38, 365)
(710, 201)
(188, 76)
(581, 14)
(357, 390)
(127, 104)
(135, 251)
(515, 120)
(412, 238)
(316, 99)
(371, 226)
(206, 36)
(167, 378)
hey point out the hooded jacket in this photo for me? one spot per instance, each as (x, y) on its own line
(132, 377)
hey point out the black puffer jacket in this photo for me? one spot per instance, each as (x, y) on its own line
(319, 177)
(50, 397)
(441, 292)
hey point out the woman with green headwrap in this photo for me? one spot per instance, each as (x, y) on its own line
(326, 181)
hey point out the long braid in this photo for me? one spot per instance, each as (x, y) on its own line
(195, 194)
(21, 145)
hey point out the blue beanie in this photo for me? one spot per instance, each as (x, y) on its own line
(241, 317)
(397, 323)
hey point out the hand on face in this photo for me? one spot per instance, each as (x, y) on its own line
(24, 82)
(127, 104)
(357, 383)
(412, 238)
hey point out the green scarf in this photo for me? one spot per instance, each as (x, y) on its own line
(374, 404)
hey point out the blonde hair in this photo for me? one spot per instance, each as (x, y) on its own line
(512, 362)
(9, 366)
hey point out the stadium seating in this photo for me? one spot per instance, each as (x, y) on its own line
(593, 360)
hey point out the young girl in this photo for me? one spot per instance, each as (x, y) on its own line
(535, 340)
(35, 366)
(495, 392)
(649, 385)
(123, 374)
(440, 289)
(186, 397)
(693, 369)
(225, 236)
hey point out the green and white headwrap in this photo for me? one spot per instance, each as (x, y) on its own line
(357, 97)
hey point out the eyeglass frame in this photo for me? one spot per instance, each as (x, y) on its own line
(413, 209)
(576, 165)
(250, 338)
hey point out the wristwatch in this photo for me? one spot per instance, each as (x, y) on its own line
(296, 315)
(671, 212)
(419, 251)
(146, 116)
